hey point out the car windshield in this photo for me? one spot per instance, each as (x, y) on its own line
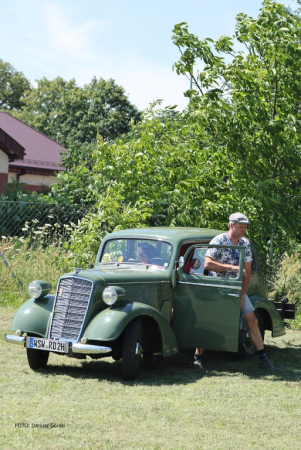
(133, 251)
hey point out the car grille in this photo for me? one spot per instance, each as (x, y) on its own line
(71, 303)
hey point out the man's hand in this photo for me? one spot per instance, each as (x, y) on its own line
(236, 270)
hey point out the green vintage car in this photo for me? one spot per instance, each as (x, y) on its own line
(147, 294)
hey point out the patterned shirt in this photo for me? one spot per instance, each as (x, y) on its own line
(228, 255)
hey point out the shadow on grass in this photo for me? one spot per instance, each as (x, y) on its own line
(179, 370)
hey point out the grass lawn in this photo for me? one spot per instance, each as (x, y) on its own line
(75, 404)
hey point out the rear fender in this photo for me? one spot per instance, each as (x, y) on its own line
(34, 316)
(272, 319)
(109, 324)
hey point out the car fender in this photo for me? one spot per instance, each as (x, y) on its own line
(34, 316)
(110, 323)
(273, 320)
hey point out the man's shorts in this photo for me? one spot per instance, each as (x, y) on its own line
(247, 308)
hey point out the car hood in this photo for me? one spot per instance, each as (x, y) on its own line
(113, 274)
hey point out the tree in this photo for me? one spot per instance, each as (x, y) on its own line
(251, 108)
(109, 109)
(75, 115)
(159, 174)
(13, 86)
(235, 148)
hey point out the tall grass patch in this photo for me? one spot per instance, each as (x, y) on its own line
(24, 259)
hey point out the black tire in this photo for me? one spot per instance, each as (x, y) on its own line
(148, 360)
(37, 359)
(116, 356)
(132, 350)
(245, 346)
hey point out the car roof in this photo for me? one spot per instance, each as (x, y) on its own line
(172, 234)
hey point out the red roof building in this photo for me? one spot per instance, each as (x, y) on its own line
(27, 154)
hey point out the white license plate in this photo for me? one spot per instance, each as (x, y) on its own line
(50, 345)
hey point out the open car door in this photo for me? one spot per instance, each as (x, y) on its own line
(206, 309)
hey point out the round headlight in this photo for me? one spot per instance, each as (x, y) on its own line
(35, 289)
(38, 288)
(109, 295)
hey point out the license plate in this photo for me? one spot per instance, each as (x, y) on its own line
(50, 345)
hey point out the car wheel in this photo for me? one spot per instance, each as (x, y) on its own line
(132, 350)
(37, 359)
(116, 356)
(148, 360)
(245, 346)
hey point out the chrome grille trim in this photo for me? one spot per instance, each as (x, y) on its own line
(70, 308)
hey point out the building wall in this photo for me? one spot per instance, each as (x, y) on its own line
(3, 169)
(3, 162)
(34, 182)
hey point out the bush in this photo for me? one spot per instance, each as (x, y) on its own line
(287, 283)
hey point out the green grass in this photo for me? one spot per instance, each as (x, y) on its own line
(233, 406)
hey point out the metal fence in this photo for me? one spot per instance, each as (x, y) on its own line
(17, 218)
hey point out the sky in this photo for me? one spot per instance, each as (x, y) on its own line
(127, 40)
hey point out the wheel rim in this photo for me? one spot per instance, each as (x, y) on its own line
(138, 350)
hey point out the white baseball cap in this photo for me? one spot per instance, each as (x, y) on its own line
(239, 218)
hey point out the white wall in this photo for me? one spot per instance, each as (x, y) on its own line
(3, 162)
(35, 180)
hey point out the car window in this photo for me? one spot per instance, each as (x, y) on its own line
(194, 263)
(133, 251)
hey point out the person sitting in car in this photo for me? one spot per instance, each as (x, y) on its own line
(146, 252)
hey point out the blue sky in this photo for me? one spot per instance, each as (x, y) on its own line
(127, 40)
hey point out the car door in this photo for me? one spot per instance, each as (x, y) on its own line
(206, 309)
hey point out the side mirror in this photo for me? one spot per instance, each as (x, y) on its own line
(90, 266)
(181, 261)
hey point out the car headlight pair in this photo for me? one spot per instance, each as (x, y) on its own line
(111, 294)
(38, 288)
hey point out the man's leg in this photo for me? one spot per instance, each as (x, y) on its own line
(254, 332)
(255, 336)
(197, 359)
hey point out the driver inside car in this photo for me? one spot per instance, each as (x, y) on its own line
(146, 252)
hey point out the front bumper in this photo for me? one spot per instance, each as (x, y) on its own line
(15, 339)
(78, 348)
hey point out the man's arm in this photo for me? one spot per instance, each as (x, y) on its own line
(211, 264)
(246, 278)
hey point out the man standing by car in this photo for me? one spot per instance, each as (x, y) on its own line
(224, 262)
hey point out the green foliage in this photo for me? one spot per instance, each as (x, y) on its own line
(86, 237)
(287, 280)
(236, 147)
(13, 85)
(19, 207)
(250, 108)
(161, 173)
(75, 184)
(15, 190)
(287, 283)
(24, 260)
(72, 114)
